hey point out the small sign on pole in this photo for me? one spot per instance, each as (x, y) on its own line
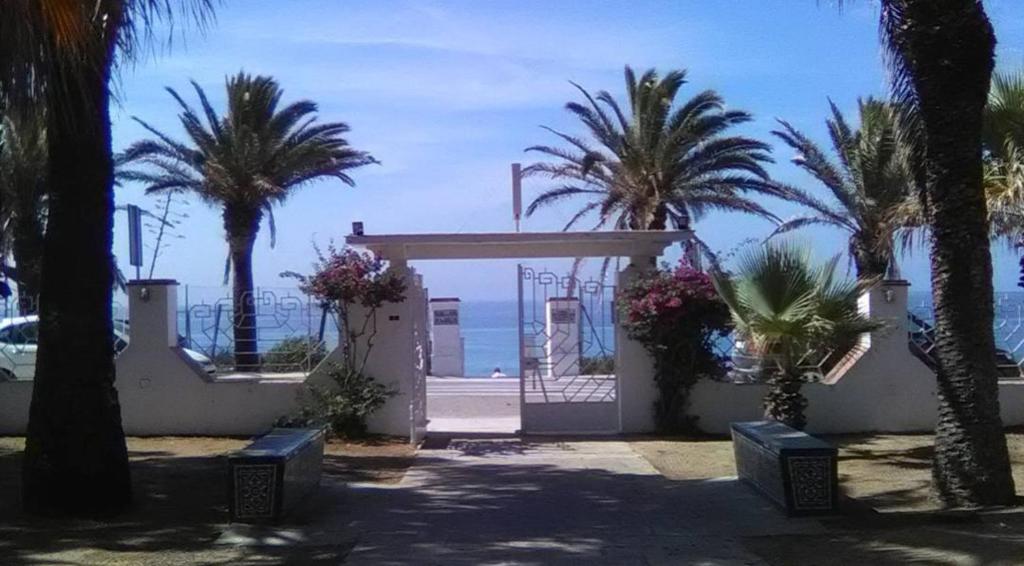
(517, 193)
(135, 238)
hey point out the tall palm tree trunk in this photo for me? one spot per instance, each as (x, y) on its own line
(242, 224)
(869, 264)
(947, 48)
(27, 248)
(75, 455)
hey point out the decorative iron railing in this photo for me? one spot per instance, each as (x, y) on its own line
(288, 333)
(1008, 330)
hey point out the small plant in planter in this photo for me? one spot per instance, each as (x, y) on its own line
(344, 278)
(677, 315)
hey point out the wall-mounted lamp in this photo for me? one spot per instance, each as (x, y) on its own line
(889, 295)
(144, 294)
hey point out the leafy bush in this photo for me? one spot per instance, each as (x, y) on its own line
(597, 365)
(343, 278)
(224, 359)
(344, 408)
(294, 354)
(677, 316)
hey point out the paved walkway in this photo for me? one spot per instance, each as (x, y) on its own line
(512, 501)
(457, 404)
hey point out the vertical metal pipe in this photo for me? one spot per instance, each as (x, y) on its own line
(522, 352)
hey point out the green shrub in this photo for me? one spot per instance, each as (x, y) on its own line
(294, 354)
(597, 365)
(344, 408)
(677, 316)
(224, 359)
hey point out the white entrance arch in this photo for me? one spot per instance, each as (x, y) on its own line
(399, 355)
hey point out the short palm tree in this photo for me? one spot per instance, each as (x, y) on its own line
(657, 164)
(784, 307)
(244, 162)
(871, 185)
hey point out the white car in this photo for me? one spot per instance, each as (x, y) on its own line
(18, 337)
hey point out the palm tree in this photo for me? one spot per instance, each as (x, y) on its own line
(1004, 196)
(942, 56)
(785, 307)
(244, 162)
(62, 55)
(1003, 124)
(871, 184)
(1003, 136)
(658, 165)
(23, 191)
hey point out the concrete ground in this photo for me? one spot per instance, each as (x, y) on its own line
(458, 404)
(494, 499)
(523, 501)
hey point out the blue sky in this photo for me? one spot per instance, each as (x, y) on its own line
(447, 94)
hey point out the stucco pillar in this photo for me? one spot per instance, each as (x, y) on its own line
(153, 313)
(562, 348)
(447, 350)
(392, 360)
(153, 357)
(633, 365)
(887, 302)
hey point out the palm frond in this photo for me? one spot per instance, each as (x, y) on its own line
(247, 160)
(643, 158)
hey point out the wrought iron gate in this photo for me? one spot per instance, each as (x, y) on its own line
(566, 354)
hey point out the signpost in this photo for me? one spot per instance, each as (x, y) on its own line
(517, 193)
(135, 238)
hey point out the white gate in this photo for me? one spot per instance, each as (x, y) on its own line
(566, 358)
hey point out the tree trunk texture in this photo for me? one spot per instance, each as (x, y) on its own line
(784, 402)
(28, 257)
(241, 225)
(948, 48)
(659, 220)
(869, 264)
(76, 461)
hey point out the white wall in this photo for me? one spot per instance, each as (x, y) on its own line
(163, 392)
(392, 359)
(634, 366)
(882, 387)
